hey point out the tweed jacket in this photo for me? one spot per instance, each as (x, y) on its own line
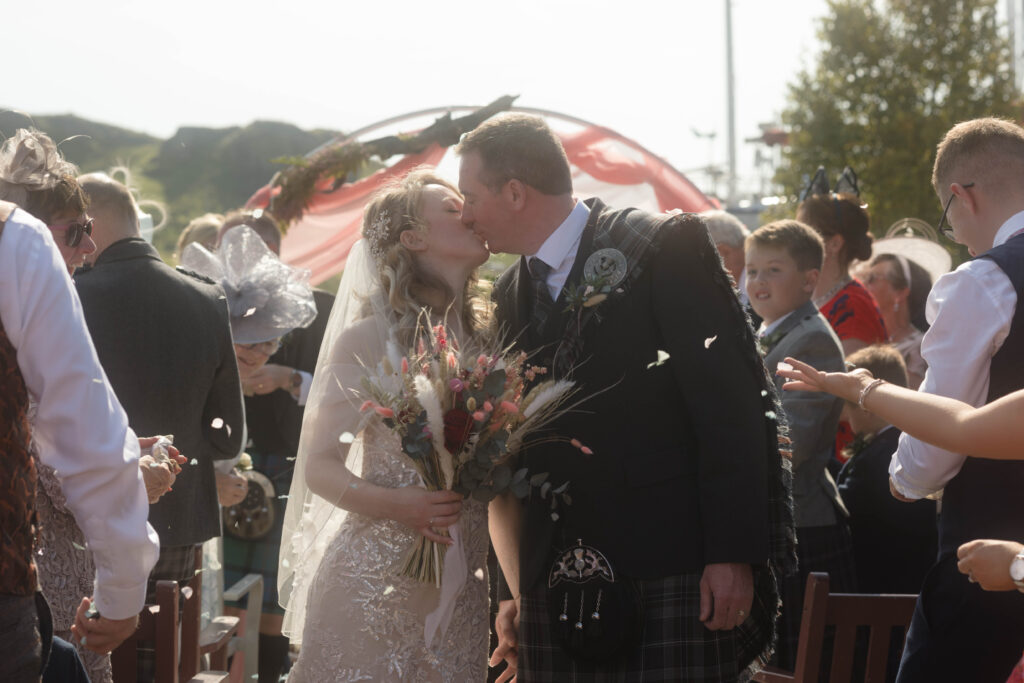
(685, 461)
(812, 416)
(164, 339)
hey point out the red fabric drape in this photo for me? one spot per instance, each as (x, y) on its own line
(322, 238)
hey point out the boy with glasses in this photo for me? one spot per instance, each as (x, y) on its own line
(973, 350)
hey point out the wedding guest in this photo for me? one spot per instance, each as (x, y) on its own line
(274, 406)
(900, 287)
(783, 262)
(972, 349)
(203, 230)
(894, 543)
(267, 300)
(842, 221)
(33, 171)
(728, 234)
(164, 340)
(81, 432)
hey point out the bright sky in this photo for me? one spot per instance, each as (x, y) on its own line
(653, 70)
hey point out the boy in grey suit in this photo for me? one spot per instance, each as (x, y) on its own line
(783, 260)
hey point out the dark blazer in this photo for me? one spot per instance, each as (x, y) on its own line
(164, 341)
(275, 419)
(678, 477)
(812, 416)
(894, 543)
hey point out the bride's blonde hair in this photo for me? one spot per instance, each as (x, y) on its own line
(407, 285)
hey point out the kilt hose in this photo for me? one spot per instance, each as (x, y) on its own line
(819, 549)
(675, 645)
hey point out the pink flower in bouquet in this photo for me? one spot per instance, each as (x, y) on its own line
(479, 416)
(481, 360)
(509, 407)
(366, 406)
(456, 385)
(384, 412)
(405, 365)
(488, 407)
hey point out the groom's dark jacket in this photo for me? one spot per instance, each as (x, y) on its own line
(685, 469)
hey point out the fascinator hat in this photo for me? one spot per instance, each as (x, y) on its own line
(30, 162)
(912, 239)
(266, 298)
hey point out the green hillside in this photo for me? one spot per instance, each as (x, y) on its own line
(195, 171)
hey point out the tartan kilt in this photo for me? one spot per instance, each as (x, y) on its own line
(675, 645)
(819, 549)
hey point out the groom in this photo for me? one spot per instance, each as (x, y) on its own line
(673, 468)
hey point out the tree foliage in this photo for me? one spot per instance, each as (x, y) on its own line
(891, 78)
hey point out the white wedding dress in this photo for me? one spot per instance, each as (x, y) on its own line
(354, 616)
(364, 622)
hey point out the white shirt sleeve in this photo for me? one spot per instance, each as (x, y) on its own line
(970, 310)
(307, 382)
(80, 427)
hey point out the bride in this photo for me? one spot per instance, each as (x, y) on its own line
(357, 505)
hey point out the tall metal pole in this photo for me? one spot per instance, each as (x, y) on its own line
(731, 105)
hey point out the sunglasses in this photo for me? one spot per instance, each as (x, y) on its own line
(945, 228)
(74, 232)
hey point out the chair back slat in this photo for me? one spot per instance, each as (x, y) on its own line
(863, 610)
(166, 646)
(878, 654)
(842, 653)
(812, 628)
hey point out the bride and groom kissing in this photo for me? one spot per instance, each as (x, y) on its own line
(663, 565)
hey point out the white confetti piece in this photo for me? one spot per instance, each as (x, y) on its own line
(193, 461)
(663, 356)
(709, 341)
(389, 590)
(347, 437)
(249, 312)
(217, 423)
(783, 366)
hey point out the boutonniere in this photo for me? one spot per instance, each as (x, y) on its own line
(603, 272)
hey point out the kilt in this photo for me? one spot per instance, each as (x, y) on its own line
(675, 645)
(819, 549)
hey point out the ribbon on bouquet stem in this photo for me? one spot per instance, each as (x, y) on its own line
(453, 578)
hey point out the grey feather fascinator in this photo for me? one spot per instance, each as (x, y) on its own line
(266, 298)
(30, 161)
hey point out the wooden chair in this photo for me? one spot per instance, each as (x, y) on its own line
(846, 612)
(159, 624)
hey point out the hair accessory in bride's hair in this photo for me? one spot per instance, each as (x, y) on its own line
(29, 161)
(377, 234)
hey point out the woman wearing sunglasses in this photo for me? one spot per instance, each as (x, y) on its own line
(35, 176)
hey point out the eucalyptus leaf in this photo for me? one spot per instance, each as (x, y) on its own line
(494, 385)
(520, 475)
(538, 479)
(501, 475)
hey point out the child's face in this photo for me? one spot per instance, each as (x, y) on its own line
(774, 283)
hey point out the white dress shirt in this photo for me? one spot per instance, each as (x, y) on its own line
(970, 311)
(559, 249)
(765, 330)
(80, 428)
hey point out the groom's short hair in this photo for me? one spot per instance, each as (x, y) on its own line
(519, 147)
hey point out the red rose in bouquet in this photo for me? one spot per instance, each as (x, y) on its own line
(457, 427)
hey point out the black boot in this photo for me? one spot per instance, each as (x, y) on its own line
(273, 656)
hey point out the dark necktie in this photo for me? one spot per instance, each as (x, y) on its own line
(542, 301)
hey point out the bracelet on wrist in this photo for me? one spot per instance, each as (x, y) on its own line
(867, 390)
